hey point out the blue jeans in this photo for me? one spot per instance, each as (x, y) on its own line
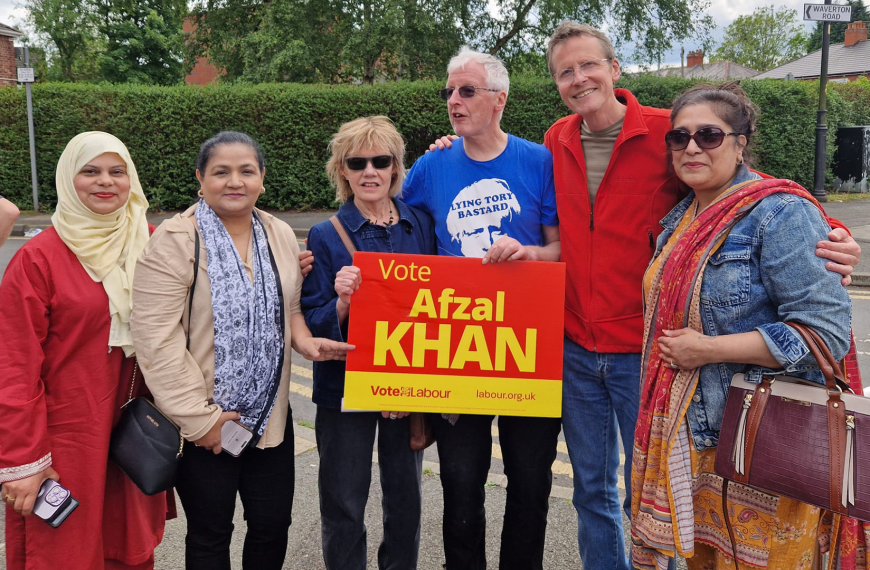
(599, 393)
(464, 451)
(345, 442)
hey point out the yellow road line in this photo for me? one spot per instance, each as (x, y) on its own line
(300, 371)
(301, 390)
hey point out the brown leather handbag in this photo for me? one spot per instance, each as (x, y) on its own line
(790, 437)
(422, 434)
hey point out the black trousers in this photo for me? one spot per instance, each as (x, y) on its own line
(207, 485)
(464, 450)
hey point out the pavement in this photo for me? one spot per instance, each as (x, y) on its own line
(855, 214)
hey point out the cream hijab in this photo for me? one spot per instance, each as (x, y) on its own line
(106, 245)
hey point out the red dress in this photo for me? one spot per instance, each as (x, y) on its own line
(60, 392)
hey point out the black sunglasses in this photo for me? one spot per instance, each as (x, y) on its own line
(706, 138)
(465, 91)
(360, 162)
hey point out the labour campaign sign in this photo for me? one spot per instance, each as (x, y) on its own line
(451, 335)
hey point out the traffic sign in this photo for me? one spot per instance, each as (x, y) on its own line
(25, 75)
(827, 12)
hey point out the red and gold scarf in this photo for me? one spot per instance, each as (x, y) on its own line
(661, 486)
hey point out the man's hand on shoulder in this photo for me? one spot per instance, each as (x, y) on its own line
(843, 253)
(444, 142)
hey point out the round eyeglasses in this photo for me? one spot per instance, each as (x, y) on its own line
(566, 76)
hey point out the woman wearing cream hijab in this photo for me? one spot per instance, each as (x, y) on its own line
(65, 370)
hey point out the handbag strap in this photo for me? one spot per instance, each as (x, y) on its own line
(280, 372)
(342, 233)
(829, 367)
(193, 284)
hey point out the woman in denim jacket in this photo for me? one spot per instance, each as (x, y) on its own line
(367, 169)
(736, 261)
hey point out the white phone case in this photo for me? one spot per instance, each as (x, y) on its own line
(235, 438)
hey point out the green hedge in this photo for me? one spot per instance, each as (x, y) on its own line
(164, 126)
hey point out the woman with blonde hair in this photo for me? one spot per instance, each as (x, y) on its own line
(366, 167)
(66, 366)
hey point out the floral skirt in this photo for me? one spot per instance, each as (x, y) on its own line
(769, 531)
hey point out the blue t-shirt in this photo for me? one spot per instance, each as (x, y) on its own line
(475, 203)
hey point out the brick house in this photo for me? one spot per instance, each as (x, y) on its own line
(203, 71)
(8, 74)
(715, 71)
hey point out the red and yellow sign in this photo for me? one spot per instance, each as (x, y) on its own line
(451, 335)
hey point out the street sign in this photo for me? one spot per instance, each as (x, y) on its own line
(25, 75)
(827, 13)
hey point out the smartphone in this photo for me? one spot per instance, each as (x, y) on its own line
(54, 503)
(235, 438)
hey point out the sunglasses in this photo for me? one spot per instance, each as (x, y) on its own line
(466, 91)
(706, 138)
(358, 163)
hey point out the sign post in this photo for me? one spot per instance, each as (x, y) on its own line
(26, 76)
(825, 13)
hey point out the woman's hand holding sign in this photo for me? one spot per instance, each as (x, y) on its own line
(347, 281)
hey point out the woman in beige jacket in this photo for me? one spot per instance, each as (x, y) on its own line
(211, 345)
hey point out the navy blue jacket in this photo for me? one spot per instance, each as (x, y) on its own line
(414, 232)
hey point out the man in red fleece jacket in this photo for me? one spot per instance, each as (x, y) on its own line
(612, 188)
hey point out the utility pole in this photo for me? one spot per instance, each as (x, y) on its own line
(26, 76)
(825, 13)
(822, 120)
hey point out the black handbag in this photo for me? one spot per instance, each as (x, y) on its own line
(146, 445)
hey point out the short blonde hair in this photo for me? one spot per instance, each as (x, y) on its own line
(568, 30)
(359, 134)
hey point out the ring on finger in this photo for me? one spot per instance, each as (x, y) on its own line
(393, 415)
(10, 499)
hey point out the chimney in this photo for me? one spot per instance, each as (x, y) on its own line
(855, 32)
(697, 57)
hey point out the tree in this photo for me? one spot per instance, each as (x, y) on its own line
(221, 27)
(653, 26)
(144, 42)
(366, 40)
(838, 29)
(69, 29)
(295, 41)
(764, 39)
(327, 40)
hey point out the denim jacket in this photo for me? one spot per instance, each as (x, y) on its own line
(765, 273)
(413, 233)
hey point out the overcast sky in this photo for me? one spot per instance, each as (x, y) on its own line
(723, 12)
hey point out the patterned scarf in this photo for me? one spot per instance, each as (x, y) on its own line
(661, 485)
(248, 333)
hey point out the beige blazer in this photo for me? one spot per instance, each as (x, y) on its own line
(182, 381)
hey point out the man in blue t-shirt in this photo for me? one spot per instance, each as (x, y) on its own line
(491, 196)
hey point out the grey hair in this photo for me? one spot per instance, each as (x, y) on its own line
(496, 72)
